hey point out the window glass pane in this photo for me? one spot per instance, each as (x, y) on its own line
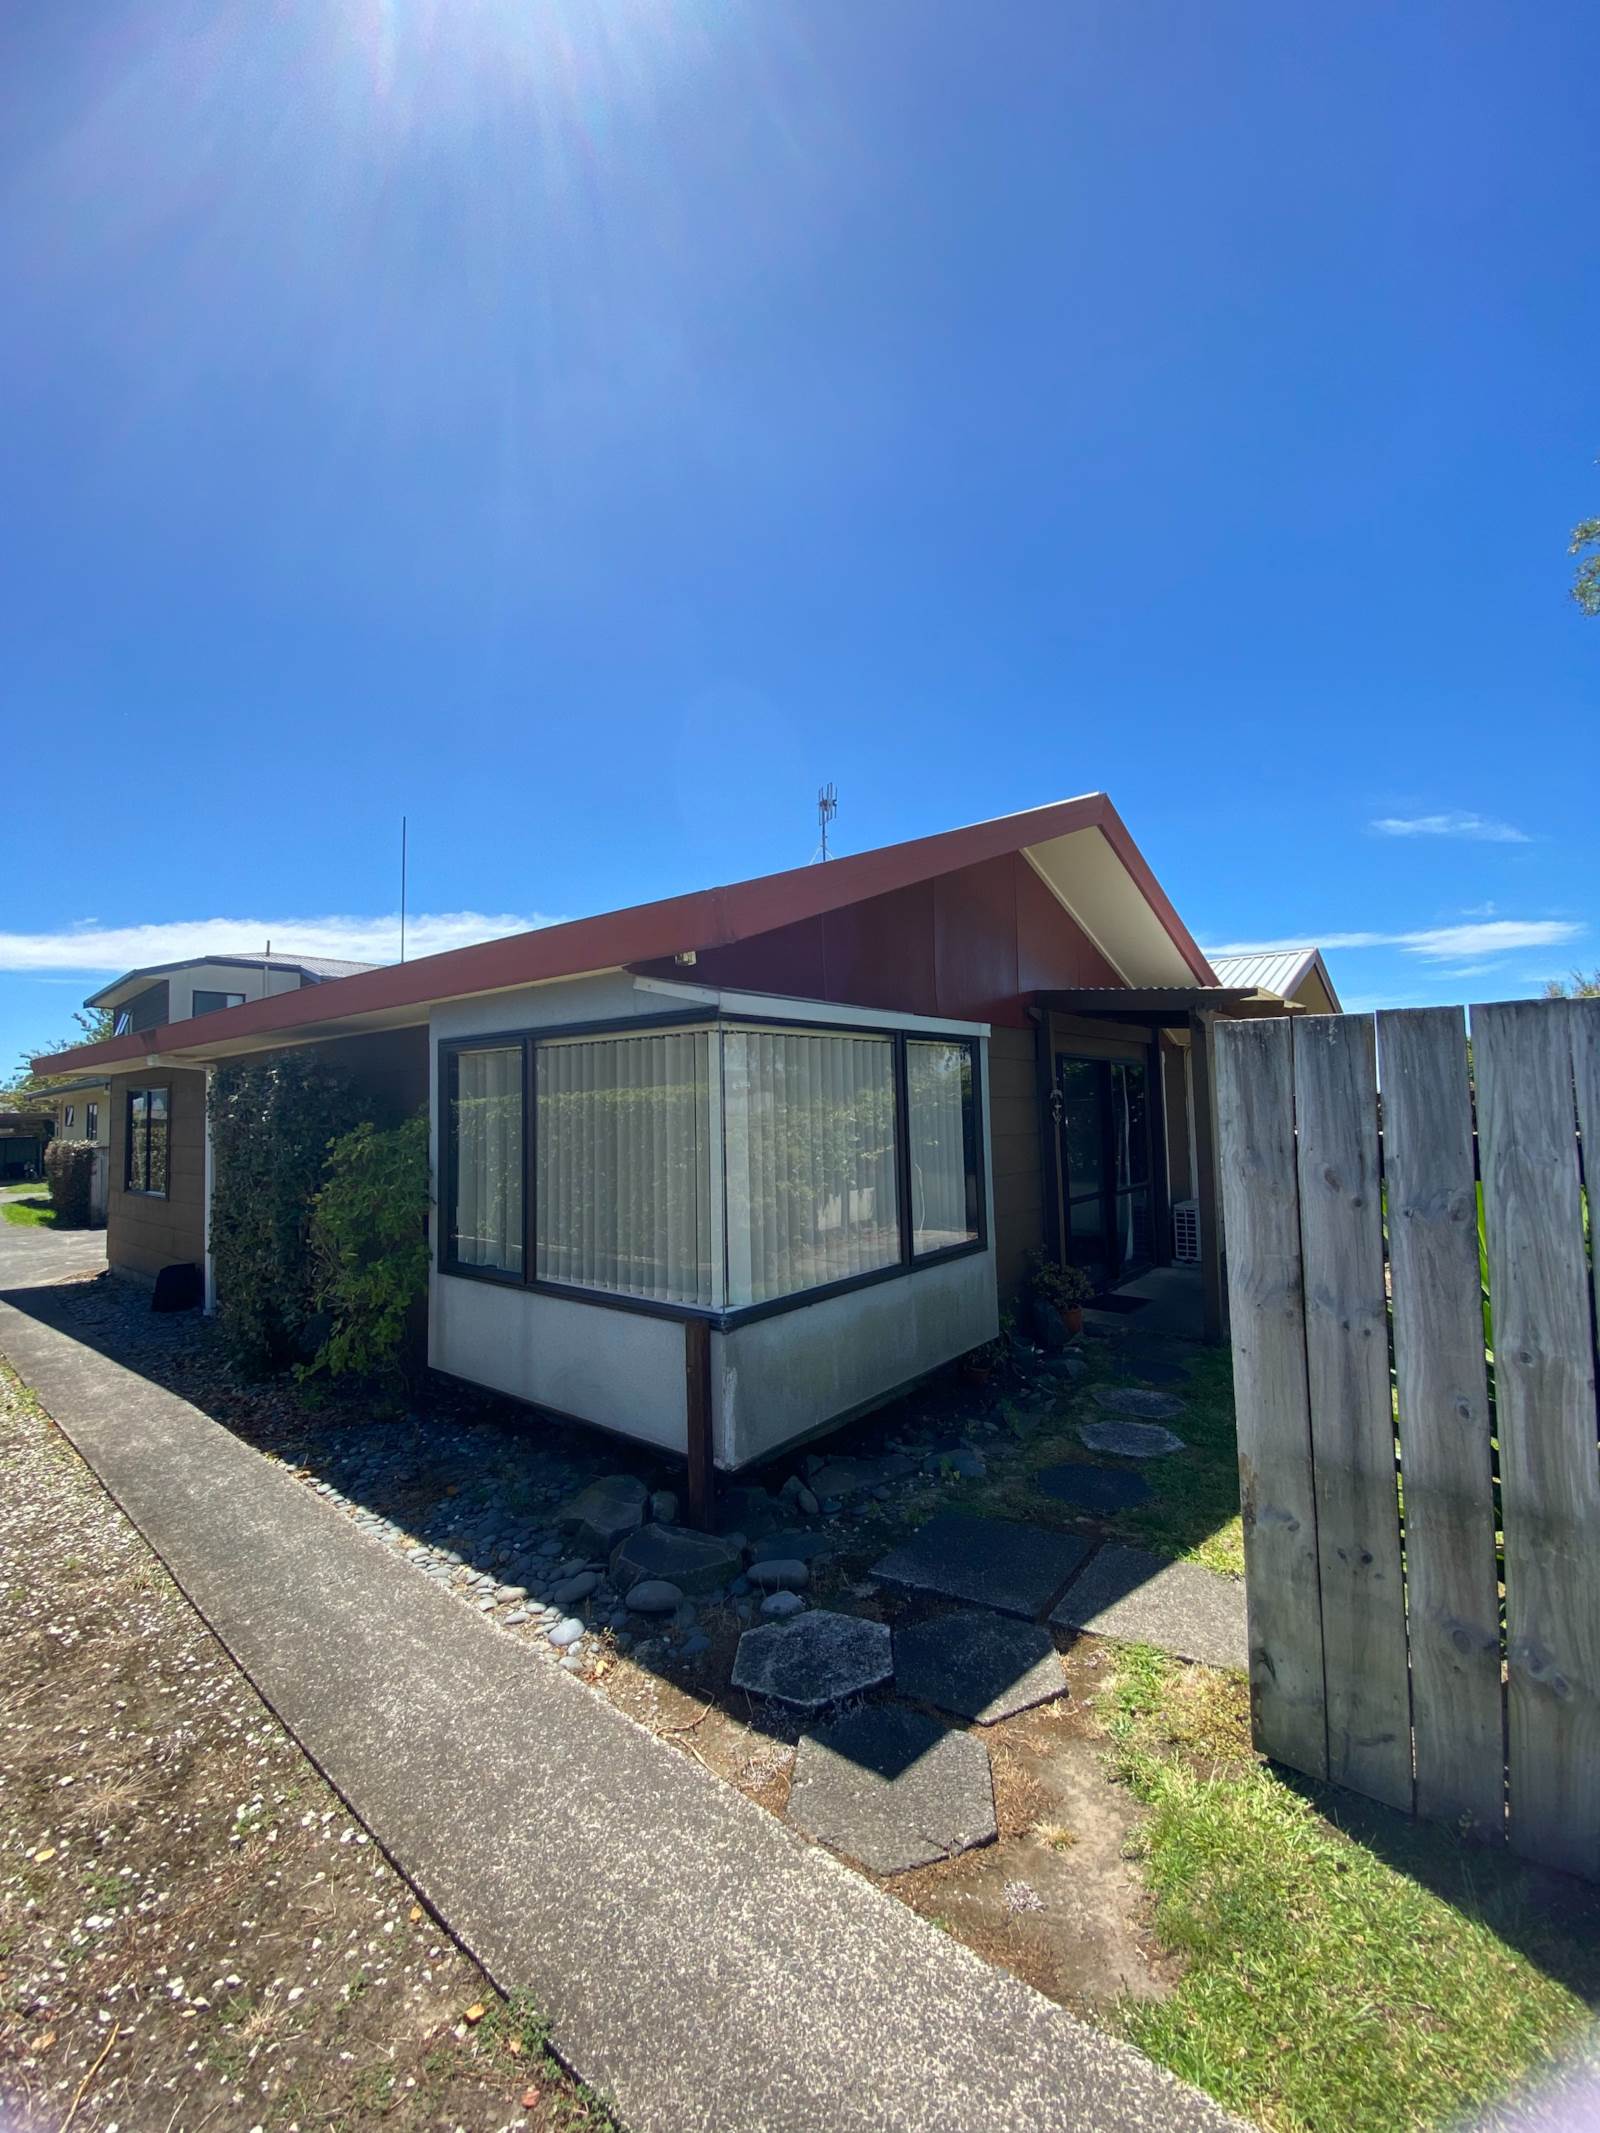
(623, 1147)
(1082, 1123)
(486, 1130)
(810, 1135)
(944, 1154)
(1130, 1124)
(211, 1003)
(156, 1177)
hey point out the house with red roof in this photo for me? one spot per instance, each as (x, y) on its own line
(719, 1171)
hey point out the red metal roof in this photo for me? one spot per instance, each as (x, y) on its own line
(708, 918)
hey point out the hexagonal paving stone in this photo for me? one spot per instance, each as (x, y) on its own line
(1131, 1400)
(1142, 1598)
(978, 1665)
(1100, 1489)
(988, 1561)
(606, 1510)
(816, 1660)
(892, 1789)
(1130, 1440)
(694, 1562)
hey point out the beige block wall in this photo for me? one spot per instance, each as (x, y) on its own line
(144, 1234)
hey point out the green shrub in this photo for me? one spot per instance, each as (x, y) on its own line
(272, 1123)
(68, 1169)
(369, 1249)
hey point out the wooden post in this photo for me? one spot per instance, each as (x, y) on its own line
(1206, 1186)
(1544, 1367)
(1277, 1491)
(697, 1422)
(1442, 1393)
(1352, 1419)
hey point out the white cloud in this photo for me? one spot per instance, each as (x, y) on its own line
(1437, 944)
(1482, 829)
(112, 949)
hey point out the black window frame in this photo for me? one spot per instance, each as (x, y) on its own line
(722, 1318)
(137, 1096)
(220, 1001)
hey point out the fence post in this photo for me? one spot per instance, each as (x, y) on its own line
(1352, 1416)
(1442, 1389)
(1255, 1132)
(1544, 1366)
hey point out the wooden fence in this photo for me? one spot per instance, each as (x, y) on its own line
(1413, 1301)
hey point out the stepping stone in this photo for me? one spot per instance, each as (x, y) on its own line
(1144, 1599)
(978, 1665)
(892, 1789)
(817, 1659)
(1130, 1440)
(1129, 1400)
(845, 1477)
(987, 1561)
(604, 1512)
(694, 1562)
(1093, 1488)
(1064, 1366)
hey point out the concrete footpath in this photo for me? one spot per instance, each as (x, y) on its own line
(702, 1967)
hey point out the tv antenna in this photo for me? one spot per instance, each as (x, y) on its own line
(827, 808)
(402, 888)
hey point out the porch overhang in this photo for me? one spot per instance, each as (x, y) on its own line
(1162, 1006)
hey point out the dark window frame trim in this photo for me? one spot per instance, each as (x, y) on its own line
(723, 1319)
(145, 1089)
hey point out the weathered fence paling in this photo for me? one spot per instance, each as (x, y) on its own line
(1381, 1655)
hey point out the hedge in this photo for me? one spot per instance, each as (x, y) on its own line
(272, 1125)
(69, 1171)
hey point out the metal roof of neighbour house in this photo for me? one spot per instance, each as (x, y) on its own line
(1085, 836)
(319, 968)
(1279, 970)
(66, 1088)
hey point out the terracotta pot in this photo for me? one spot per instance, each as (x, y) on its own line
(1072, 1318)
(975, 1373)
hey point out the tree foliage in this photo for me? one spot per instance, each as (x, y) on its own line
(68, 1170)
(1579, 986)
(369, 1249)
(1586, 579)
(93, 1024)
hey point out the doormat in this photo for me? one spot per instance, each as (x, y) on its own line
(1113, 1300)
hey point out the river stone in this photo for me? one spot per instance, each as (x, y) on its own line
(794, 1491)
(818, 1659)
(572, 1590)
(567, 1632)
(979, 1665)
(1131, 1400)
(990, 1562)
(604, 1512)
(782, 1604)
(695, 1562)
(1142, 1598)
(789, 1547)
(892, 1789)
(1101, 1489)
(654, 1596)
(1130, 1440)
(746, 1509)
(779, 1574)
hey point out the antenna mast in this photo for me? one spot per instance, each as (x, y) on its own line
(827, 808)
(402, 888)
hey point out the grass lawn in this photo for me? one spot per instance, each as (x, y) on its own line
(1194, 1510)
(28, 1206)
(1358, 1976)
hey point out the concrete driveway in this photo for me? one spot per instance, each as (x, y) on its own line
(32, 1257)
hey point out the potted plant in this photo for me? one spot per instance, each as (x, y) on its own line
(1065, 1289)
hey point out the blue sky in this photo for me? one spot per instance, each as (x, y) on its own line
(586, 425)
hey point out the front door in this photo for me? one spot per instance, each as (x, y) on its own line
(1104, 1108)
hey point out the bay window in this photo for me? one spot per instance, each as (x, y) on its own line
(716, 1166)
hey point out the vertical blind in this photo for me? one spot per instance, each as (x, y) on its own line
(622, 1141)
(944, 1179)
(487, 1125)
(810, 1139)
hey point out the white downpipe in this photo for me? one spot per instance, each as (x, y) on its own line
(209, 1178)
